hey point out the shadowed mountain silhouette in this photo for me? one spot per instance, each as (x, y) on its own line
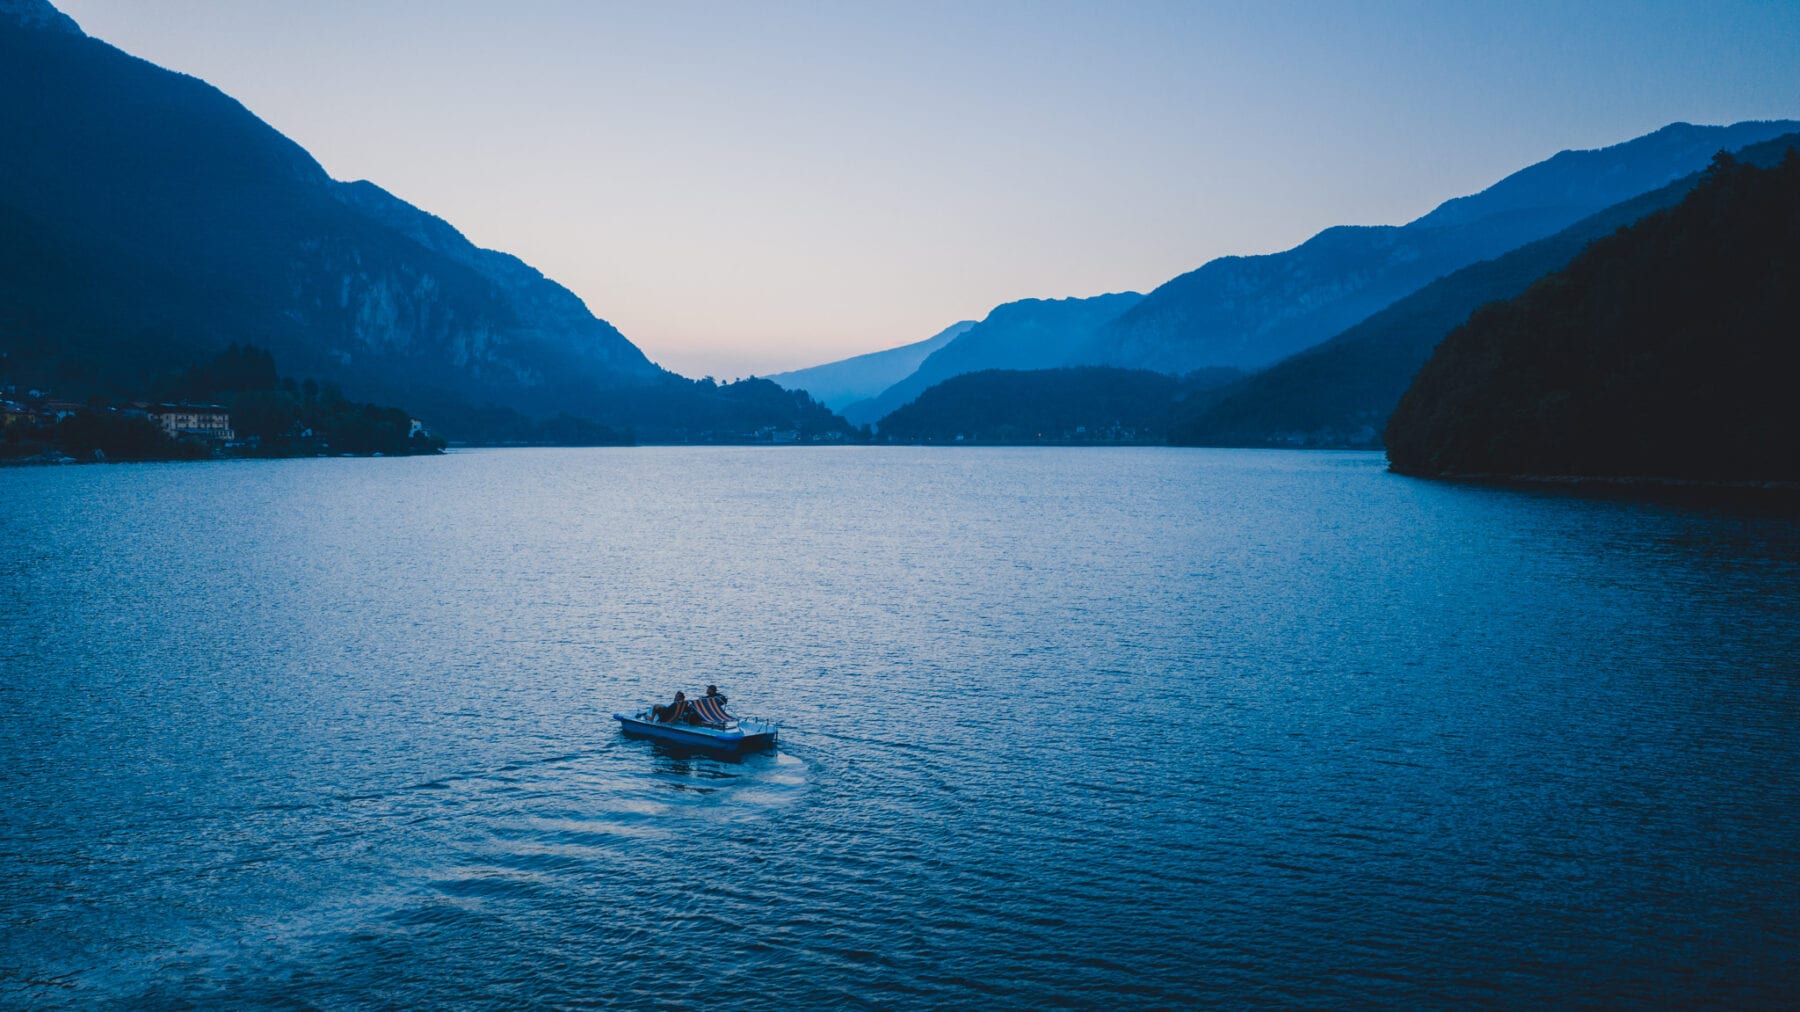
(1252, 311)
(1340, 393)
(1028, 334)
(1249, 312)
(1667, 349)
(151, 220)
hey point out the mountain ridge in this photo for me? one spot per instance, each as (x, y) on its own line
(1339, 393)
(171, 165)
(1263, 310)
(1040, 332)
(1664, 350)
(39, 15)
(1250, 312)
(842, 382)
(159, 221)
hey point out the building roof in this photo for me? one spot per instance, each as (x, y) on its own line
(169, 409)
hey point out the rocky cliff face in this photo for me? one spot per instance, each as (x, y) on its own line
(121, 171)
(543, 311)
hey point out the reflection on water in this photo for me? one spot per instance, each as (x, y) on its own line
(1090, 727)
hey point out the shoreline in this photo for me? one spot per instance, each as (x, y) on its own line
(1622, 481)
(1782, 497)
(67, 461)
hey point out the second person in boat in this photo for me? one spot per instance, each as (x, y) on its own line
(673, 712)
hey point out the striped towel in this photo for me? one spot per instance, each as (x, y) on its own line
(710, 711)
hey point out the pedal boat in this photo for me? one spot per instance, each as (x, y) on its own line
(733, 735)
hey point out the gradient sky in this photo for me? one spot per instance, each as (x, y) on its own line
(744, 188)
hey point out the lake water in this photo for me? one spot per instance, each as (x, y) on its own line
(1061, 728)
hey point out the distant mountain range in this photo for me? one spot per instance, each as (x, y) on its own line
(149, 220)
(1251, 312)
(842, 383)
(1028, 334)
(1668, 349)
(1340, 393)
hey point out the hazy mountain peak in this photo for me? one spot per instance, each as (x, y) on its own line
(1596, 177)
(39, 14)
(846, 381)
(1024, 334)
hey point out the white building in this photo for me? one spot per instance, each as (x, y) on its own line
(202, 421)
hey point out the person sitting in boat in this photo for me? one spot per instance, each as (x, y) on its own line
(673, 712)
(709, 709)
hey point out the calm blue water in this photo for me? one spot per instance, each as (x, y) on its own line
(1063, 727)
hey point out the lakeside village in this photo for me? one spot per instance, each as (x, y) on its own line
(36, 428)
(234, 404)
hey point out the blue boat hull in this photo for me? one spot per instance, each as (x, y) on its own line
(744, 736)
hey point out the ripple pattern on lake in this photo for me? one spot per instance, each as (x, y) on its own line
(1133, 728)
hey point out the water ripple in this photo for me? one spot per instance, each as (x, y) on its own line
(1119, 729)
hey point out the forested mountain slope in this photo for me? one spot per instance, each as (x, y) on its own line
(1341, 393)
(1669, 350)
(1249, 312)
